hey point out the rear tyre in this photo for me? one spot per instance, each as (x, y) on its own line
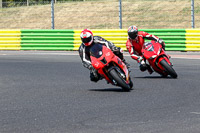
(168, 69)
(120, 81)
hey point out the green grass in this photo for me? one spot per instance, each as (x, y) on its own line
(100, 14)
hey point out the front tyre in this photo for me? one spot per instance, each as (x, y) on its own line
(120, 81)
(168, 68)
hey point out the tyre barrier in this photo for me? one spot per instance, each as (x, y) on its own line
(69, 39)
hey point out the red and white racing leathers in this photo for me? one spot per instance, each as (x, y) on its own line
(134, 47)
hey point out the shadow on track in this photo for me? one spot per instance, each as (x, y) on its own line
(110, 89)
(155, 77)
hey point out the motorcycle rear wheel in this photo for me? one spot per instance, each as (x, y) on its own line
(120, 81)
(168, 68)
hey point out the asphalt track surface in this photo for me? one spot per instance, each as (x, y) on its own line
(50, 92)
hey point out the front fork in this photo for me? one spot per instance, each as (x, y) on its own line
(123, 75)
(162, 57)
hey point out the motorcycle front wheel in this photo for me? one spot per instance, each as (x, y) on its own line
(168, 68)
(120, 81)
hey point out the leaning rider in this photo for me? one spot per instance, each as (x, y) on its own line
(134, 45)
(88, 40)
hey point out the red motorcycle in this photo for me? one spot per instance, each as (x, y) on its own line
(158, 59)
(110, 67)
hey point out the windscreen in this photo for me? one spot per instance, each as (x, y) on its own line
(148, 46)
(96, 50)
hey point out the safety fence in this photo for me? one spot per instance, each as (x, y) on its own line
(100, 14)
(69, 39)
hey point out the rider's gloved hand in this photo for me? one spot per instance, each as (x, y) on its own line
(142, 64)
(93, 71)
(90, 67)
(162, 43)
(116, 49)
(140, 59)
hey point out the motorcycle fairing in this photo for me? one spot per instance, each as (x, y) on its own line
(154, 54)
(150, 51)
(103, 60)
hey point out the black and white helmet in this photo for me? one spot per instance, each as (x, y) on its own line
(132, 32)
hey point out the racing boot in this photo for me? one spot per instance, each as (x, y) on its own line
(143, 67)
(95, 76)
(149, 69)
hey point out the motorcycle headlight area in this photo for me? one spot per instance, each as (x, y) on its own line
(154, 56)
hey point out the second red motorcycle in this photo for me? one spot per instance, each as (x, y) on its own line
(158, 59)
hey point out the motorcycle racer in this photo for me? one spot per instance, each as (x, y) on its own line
(88, 40)
(134, 45)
